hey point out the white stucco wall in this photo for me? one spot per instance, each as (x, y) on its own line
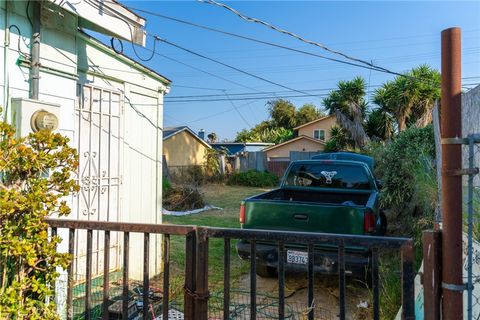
(69, 60)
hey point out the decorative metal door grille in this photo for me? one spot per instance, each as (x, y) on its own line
(98, 139)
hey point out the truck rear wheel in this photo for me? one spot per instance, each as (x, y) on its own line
(265, 271)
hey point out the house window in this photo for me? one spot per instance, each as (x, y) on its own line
(319, 134)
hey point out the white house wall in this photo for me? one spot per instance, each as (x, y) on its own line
(69, 58)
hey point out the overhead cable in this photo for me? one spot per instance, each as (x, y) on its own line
(231, 67)
(255, 40)
(268, 25)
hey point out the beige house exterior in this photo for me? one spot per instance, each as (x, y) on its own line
(182, 147)
(281, 152)
(317, 129)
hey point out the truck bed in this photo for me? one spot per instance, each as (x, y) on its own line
(274, 211)
(352, 199)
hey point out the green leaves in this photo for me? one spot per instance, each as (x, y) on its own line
(36, 173)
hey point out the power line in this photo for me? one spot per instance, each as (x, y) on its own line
(378, 68)
(238, 111)
(219, 113)
(268, 25)
(231, 67)
(257, 93)
(253, 39)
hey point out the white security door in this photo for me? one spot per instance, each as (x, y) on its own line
(99, 138)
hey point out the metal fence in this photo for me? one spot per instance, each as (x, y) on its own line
(115, 300)
(472, 225)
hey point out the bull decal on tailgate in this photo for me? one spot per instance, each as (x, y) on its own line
(328, 176)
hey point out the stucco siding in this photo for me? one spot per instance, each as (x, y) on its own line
(299, 145)
(325, 124)
(182, 149)
(70, 60)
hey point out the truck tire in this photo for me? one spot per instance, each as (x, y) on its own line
(265, 271)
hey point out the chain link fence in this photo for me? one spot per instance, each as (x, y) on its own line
(471, 202)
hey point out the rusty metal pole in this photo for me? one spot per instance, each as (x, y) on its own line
(451, 127)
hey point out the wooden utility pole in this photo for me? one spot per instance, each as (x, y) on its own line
(451, 127)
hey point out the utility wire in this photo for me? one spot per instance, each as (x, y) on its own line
(369, 64)
(238, 111)
(232, 67)
(254, 40)
(268, 25)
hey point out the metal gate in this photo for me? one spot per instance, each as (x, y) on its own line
(98, 140)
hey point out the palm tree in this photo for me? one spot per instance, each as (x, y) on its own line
(379, 124)
(212, 137)
(410, 98)
(348, 104)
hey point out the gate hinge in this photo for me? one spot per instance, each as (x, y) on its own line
(456, 287)
(461, 172)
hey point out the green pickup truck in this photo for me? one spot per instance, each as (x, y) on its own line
(332, 193)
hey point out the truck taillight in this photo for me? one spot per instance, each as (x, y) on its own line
(242, 213)
(368, 222)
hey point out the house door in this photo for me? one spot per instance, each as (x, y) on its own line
(98, 140)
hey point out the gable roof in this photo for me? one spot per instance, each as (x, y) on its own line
(293, 140)
(171, 131)
(313, 121)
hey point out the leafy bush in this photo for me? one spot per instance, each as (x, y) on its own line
(36, 175)
(407, 169)
(398, 166)
(253, 178)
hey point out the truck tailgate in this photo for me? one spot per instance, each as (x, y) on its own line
(303, 217)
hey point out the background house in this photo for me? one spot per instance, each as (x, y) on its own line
(317, 129)
(311, 137)
(110, 106)
(182, 148)
(281, 152)
(234, 148)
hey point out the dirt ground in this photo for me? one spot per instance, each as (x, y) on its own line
(326, 295)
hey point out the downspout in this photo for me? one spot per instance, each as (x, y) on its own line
(35, 69)
(5, 60)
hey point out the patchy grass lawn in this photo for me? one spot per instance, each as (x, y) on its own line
(228, 198)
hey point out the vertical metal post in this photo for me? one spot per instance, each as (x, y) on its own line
(281, 280)
(408, 274)
(226, 279)
(35, 62)
(471, 155)
(166, 275)
(253, 279)
(146, 274)
(201, 282)
(432, 274)
(310, 283)
(375, 285)
(126, 263)
(88, 284)
(451, 127)
(71, 252)
(190, 268)
(106, 275)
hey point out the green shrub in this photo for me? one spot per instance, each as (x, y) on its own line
(36, 174)
(398, 165)
(253, 178)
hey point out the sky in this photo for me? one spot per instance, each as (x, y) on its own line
(210, 96)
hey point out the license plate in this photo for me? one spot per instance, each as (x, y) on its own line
(297, 257)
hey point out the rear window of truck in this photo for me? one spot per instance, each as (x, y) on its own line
(325, 175)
